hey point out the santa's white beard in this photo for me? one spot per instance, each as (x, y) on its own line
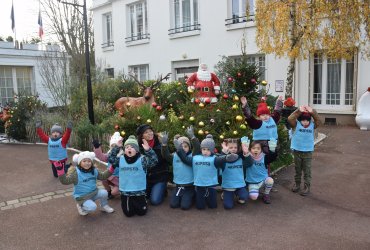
(204, 75)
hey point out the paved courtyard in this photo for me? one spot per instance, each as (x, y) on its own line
(37, 212)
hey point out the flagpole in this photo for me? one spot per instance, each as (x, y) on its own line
(41, 21)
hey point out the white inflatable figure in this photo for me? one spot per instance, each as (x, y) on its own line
(363, 112)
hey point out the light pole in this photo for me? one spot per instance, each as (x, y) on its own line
(90, 105)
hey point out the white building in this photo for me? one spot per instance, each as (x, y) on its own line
(20, 73)
(152, 37)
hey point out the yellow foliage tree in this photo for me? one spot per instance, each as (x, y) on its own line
(298, 28)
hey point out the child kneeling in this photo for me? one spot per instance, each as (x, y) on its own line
(84, 178)
(132, 175)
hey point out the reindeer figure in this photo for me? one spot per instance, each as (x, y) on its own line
(123, 103)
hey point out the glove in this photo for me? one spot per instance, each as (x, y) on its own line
(38, 124)
(279, 104)
(69, 124)
(231, 157)
(96, 143)
(245, 140)
(59, 167)
(177, 144)
(114, 152)
(272, 144)
(190, 132)
(164, 138)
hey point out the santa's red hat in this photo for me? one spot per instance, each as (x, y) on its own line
(263, 109)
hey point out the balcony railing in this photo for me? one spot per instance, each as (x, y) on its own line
(239, 19)
(137, 37)
(107, 44)
(184, 29)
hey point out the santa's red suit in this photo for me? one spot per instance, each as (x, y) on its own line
(206, 85)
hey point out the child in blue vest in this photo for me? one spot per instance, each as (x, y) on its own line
(57, 145)
(84, 178)
(132, 174)
(112, 183)
(205, 165)
(182, 196)
(302, 144)
(257, 174)
(233, 175)
(265, 127)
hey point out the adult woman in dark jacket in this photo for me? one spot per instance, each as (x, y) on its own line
(157, 176)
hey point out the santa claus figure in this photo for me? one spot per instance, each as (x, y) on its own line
(205, 83)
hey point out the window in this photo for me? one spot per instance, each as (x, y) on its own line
(107, 30)
(333, 82)
(14, 80)
(110, 72)
(182, 73)
(138, 22)
(184, 16)
(238, 8)
(141, 71)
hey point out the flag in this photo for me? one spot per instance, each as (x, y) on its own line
(12, 17)
(41, 29)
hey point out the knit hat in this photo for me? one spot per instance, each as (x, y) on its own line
(183, 139)
(115, 139)
(141, 129)
(209, 143)
(132, 141)
(75, 159)
(262, 109)
(56, 128)
(304, 116)
(85, 155)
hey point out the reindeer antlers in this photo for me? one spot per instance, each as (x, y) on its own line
(137, 81)
(159, 80)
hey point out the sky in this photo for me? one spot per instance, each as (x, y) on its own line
(26, 16)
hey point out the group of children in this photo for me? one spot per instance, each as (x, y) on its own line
(138, 168)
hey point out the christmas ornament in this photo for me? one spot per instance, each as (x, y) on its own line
(200, 132)
(201, 105)
(218, 110)
(191, 118)
(206, 132)
(212, 121)
(236, 98)
(162, 117)
(222, 137)
(201, 124)
(190, 90)
(228, 123)
(235, 132)
(233, 91)
(230, 79)
(138, 118)
(244, 83)
(253, 81)
(243, 127)
(128, 104)
(116, 127)
(178, 83)
(158, 108)
(123, 133)
(181, 117)
(154, 104)
(207, 100)
(148, 121)
(197, 100)
(239, 74)
(225, 96)
(235, 106)
(239, 118)
(263, 83)
(183, 126)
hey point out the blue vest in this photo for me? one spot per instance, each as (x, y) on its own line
(257, 172)
(86, 183)
(116, 170)
(132, 177)
(303, 139)
(233, 175)
(56, 151)
(182, 173)
(267, 131)
(205, 172)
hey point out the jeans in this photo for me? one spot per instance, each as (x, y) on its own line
(242, 193)
(156, 192)
(90, 205)
(182, 197)
(205, 196)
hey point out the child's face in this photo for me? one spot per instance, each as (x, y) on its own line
(264, 117)
(256, 150)
(130, 151)
(185, 147)
(148, 135)
(55, 134)
(86, 163)
(206, 152)
(232, 147)
(305, 123)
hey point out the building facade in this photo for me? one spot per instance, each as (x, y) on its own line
(20, 71)
(151, 37)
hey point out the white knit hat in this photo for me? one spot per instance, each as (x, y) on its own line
(116, 137)
(75, 159)
(85, 155)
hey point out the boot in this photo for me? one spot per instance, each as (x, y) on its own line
(296, 187)
(266, 198)
(110, 196)
(306, 190)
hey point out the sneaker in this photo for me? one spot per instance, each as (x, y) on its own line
(266, 198)
(241, 201)
(296, 188)
(222, 196)
(306, 190)
(80, 210)
(107, 209)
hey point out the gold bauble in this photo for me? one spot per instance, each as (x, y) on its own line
(236, 98)
(235, 106)
(201, 105)
(191, 118)
(201, 124)
(123, 133)
(243, 127)
(263, 83)
(235, 132)
(239, 118)
(200, 132)
(222, 137)
(149, 121)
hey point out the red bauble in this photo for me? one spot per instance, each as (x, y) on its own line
(116, 127)
(225, 96)
(154, 104)
(197, 101)
(159, 108)
(207, 100)
(239, 74)
(253, 81)
(230, 79)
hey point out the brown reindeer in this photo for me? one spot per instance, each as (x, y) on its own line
(123, 103)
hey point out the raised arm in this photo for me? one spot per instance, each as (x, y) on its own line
(40, 132)
(69, 178)
(113, 158)
(277, 110)
(150, 159)
(253, 123)
(292, 119)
